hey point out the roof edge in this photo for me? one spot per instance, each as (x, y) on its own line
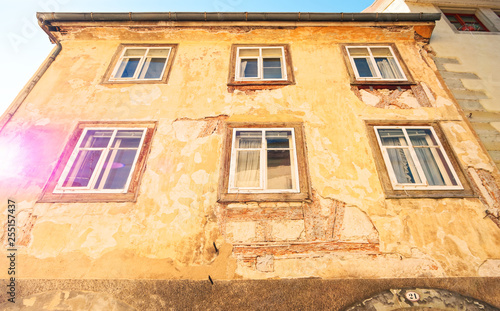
(236, 16)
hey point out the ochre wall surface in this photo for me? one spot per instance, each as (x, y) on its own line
(169, 232)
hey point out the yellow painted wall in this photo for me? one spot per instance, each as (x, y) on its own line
(169, 231)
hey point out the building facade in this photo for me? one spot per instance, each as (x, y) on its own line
(245, 161)
(465, 43)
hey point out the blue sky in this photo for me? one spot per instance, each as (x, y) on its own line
(25, 46)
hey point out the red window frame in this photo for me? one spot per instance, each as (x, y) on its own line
(463, 25)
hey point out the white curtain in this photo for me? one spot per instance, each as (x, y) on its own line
(428, 162)
(243, 67)
(399, 162)
(388, 68)
(248, 164)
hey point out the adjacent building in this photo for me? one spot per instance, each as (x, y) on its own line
(465, 44)
(245, 161)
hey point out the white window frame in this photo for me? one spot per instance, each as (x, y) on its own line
(260, 63)
(378, 75)
(414, 186)
(99, 166)
(263, 163)
(141, 63)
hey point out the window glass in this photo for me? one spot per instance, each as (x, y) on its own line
(358, 52)
(375, 63)
(272, 68)
(248, 169)
(134, 52)
(421, 161)
(364, 67)
(264, 164)
(249, 68)
(142, 64)
(83, 168)
(272, 52)
(116, 169)
(260, 63)
(158, 53)
(104, 160)
(465, 22)
(153, 68)
(249, 52)
(388, 68)
(279, 170)
(128, 67)
(96, 139)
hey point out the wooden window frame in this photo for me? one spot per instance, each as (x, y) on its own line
(378, 82)
(234, 81)
(304, 190)
(458, 17)
(51, 194)
(118, 56)
(418, 192)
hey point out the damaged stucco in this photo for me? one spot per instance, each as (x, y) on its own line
(177, 230)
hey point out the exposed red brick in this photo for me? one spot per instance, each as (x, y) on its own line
(242, 214)
(312, 248)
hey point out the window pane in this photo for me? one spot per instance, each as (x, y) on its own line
(127, 139)
(381, 52)
(127, 68)
(452, 18)
(272, 73)
(248, 139)
(82, 169)
(116, 169)
(248, 52)
(403, 166)
(248, 68)
(388, 68)
(96, 139)
(363, 67)
(278, 139)
(392, 137)
(153, 68)
(272, 68)
(279, 170)
(421, 137)
(272, 52)
(248, 169)
(134, 52)
(272, 63)
(468, 19)
(434, 166)
(158, 52)
(358, 52)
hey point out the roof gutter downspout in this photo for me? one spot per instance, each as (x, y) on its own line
(27, 89)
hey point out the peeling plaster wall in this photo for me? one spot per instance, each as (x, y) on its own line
(170, 231)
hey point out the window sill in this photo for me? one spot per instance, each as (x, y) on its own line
(383, 84)
(429, 194)
(87, 197)
(263, 197)
(257, 85)
(135, 82)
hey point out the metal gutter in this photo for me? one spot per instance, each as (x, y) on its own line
(237, 16)
(38, 75)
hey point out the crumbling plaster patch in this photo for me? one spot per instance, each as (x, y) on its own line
(357, 226)
(466, 146)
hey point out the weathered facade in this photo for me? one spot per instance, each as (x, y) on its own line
(208, 153)
(465, 44)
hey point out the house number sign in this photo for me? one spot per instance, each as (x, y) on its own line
(412, 296)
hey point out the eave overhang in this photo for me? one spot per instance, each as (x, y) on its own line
(55, 23)
(236, 17)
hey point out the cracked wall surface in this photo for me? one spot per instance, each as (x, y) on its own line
(177, 230)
